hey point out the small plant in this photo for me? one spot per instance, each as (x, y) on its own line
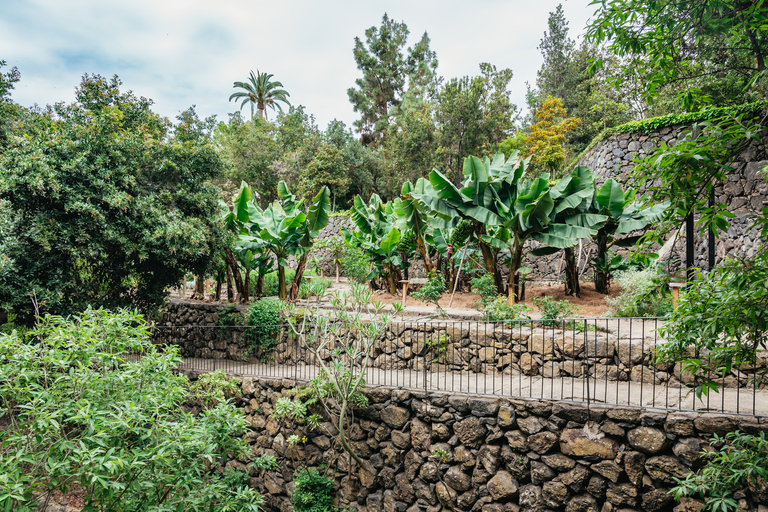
(234, 478)
(643, 293)
(355, 264)
(500, 311)
(485, 288)
(214, 387)
(552, 310)
(264, 318)
(398, 308)
(312, 491)
(738, 460)
(440, 456)
(439, 345)
(432, 290)
(229, 317)
(265, 462)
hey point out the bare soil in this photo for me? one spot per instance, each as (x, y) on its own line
(589, 303)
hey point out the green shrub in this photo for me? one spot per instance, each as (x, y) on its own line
(214, 387)
(83, 412)
(553, 310)
(500, 311)
(485, 288)
(316, 286)
(737, 461)
(312, 491)
(354, 264)
(271, 288)
(265, 317)
(642, 294)
(432, 290)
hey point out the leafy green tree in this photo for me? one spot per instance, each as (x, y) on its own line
(106, 204)
(545, 143)
(557, 50)
(84, 413)
(699, 45)
(8, 110)
(260, 90)
(473, 115)
(387, 74)
(325, 169)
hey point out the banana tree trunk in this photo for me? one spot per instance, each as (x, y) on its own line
(489, 258)
(235, 271)
(392, 276)
(513, 280)
(247, 286)
(281, 281)
(422, 247)
(571, 273)
(293, 293)
(230, 286)
(602, 272)
(199, 288)
(260, 284)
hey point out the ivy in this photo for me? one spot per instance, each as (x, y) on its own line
(657, 123)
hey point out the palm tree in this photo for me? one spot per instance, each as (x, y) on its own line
(260, 90)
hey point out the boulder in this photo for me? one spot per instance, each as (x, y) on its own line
(471, 432)
(502, 486)
(657, 500)
(608, 469)
(647, 439)
(457, 479)
(542, 442)
(394, 416)
(665, 468)
(579, 443)
(621, 494)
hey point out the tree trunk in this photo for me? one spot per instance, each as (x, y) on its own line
(513, 280)
(571, 273)
(235, 270)
(489, 258)
(247, 285)
(218, 290)
(230, 286)
(602, 275)
(293, 293)
(199, 288)
(260, 284)
(392, 279)
(281, 281)
(422, 247)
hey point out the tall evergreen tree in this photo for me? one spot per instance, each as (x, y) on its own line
(557, 49)
(387, 74)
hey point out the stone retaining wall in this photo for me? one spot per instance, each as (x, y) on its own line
(501, 455)
(609, 350)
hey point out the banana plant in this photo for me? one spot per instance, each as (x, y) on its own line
(572, 220)
(282, 228)
(413, 215)
(378, 236)
(623, 215)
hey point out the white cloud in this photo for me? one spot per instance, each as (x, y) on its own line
(181, 52)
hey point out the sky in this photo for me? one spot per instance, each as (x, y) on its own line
(189, 52)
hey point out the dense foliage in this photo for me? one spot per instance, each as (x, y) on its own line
(104, 202)
(80, 411)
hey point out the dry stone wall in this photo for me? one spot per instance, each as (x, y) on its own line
(745, 191)
(500, 455)
(609, 354)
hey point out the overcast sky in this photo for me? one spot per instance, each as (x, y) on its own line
(185, 52)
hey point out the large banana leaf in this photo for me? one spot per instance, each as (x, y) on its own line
(476, 173)
(641, 219)
(389, 244)
(446, 190)
(318, 214)
(611, 198)
(244, 196)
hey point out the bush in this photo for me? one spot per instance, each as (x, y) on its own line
(355, 264)
(737, 461)
(432, 290)
(316, 286)
(552, 310)
(485, 288)
(312, 491)
(500, 311)
(264, 317)
(642, 294)
(271, 288)
(84, 412)
(214, 387)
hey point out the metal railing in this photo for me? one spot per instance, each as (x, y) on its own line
(605, 361)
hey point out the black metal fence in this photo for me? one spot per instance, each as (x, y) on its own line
(598, 361)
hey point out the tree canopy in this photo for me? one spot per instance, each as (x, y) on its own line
(104, 202)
